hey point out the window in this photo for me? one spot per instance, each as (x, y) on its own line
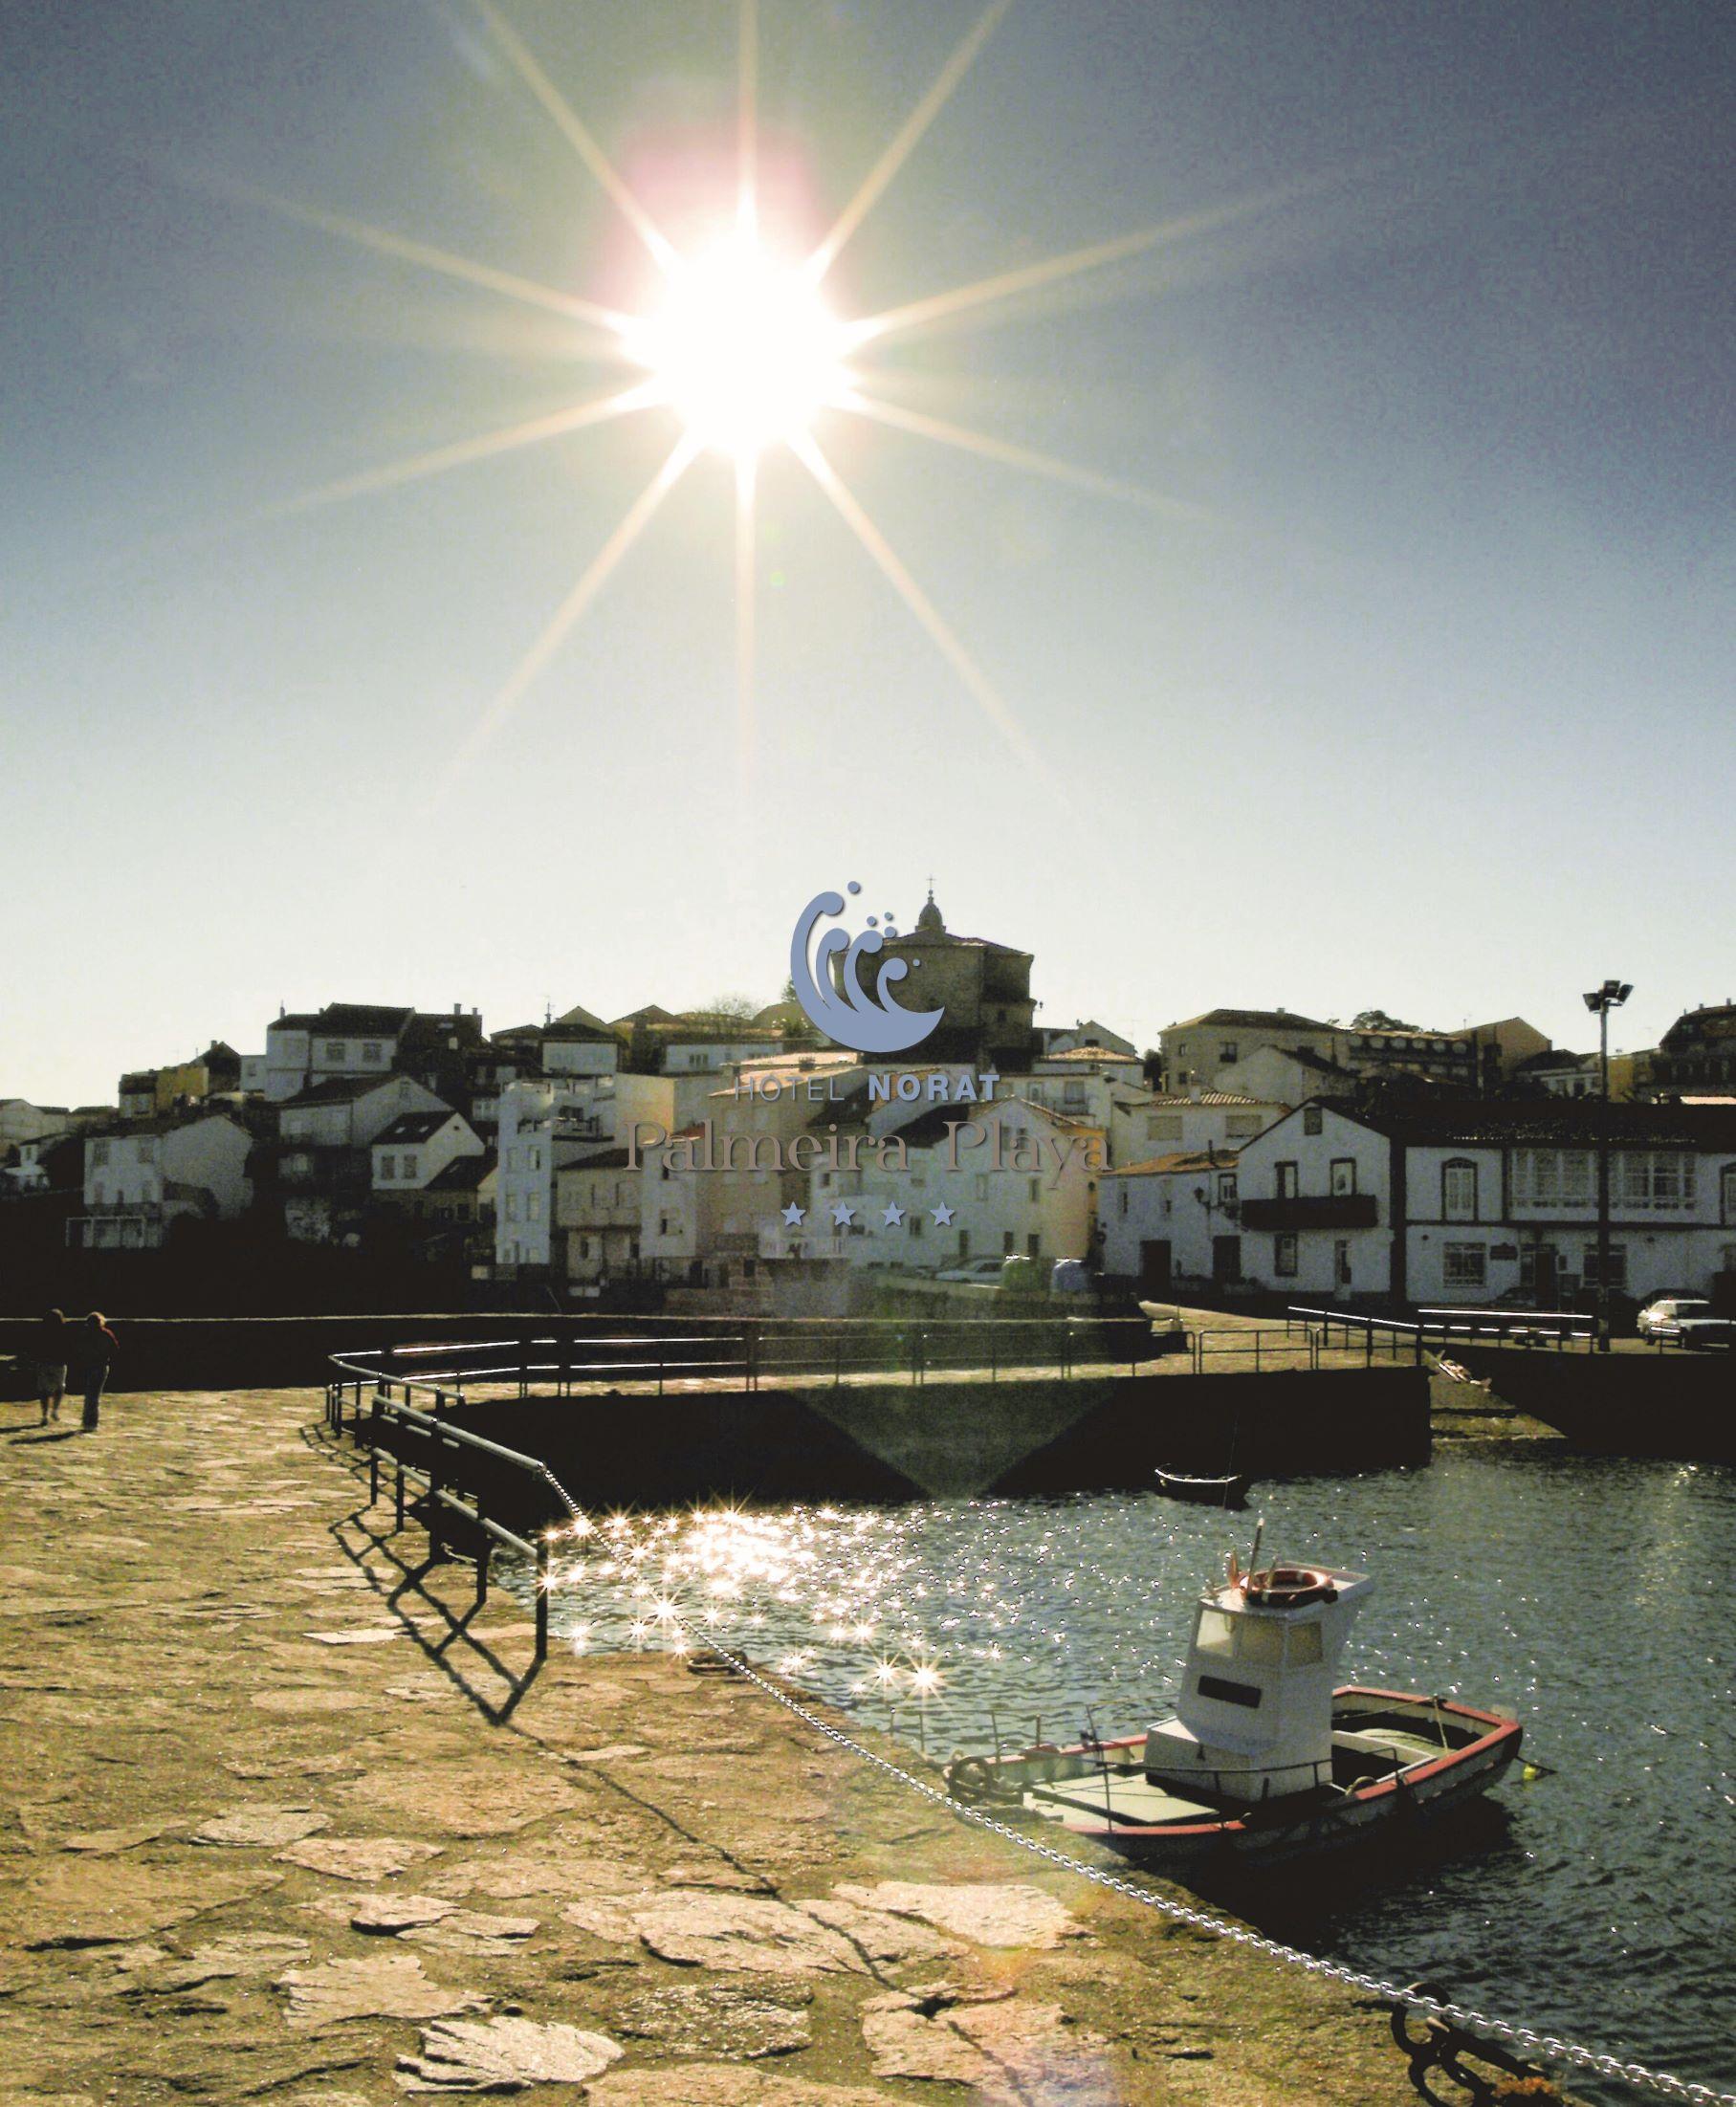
(916, 1222)
(1464, 1265)
(1243, 1125)
(371, 1050)
(1227, 1053)
(388, 1167)
(1311, 1119)
(1619, 1265)
(1343, 1176)
(1163, 1127)
(533, 1207)
(147, 1148)
(1284, 1257)
(1226, 1189)
(1306, 1645)
(1122, 1197)
(1006, 1242)
(983, 1185)
(1033, 1244)
(1287, 1176)
(407, 1164)
(1459, 1191)
(964, 1243)
(99, 1155)
(1215, 1633)
(1036, 1189)
(334, 1049)
(511, 1213)
(535, 1159)
(1341, 1263)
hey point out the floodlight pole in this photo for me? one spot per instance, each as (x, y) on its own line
(1611, 995)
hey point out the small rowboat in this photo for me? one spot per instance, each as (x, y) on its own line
(1263, 1759)
(1207, 1492)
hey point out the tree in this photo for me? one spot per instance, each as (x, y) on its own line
(1377, 1020)
(729, 1009)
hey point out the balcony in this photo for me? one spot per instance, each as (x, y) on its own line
(1322, 1211)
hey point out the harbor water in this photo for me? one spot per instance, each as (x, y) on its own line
(1590, 1597)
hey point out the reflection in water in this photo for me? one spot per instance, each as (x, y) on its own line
(1590, 1597)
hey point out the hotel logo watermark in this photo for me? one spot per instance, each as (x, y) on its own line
(832, 995)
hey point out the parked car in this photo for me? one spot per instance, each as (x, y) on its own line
(1684, 1321)
(983, 1272)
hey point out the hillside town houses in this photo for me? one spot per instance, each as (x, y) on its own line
(1251, 1152)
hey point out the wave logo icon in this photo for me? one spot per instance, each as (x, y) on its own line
(835, 1001)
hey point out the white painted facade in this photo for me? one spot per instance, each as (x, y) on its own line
(355, 1118)
(137, 1183)
(302, 1050)
(1046, 1212)
(1160, 1219)
(547, 1125)
(410, 1153)
(22, 1120)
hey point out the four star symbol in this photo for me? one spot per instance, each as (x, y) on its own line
(844, 1215)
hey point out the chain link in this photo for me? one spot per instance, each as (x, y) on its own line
(1491, 2027)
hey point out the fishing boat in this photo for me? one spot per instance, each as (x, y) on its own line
(1230, 1491)
(1263, 1759)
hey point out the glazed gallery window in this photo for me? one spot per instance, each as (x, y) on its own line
(1654, 1179)
(1287, 1177)
(1619, 1265)
(1344, 1177)
(1284, 1255)
(1459, 1191)
(1464, 1265)
(1555, 1177)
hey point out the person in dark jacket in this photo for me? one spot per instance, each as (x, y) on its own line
(94, 1350)
(52, 1336)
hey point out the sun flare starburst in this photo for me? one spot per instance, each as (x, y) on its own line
(742, 347)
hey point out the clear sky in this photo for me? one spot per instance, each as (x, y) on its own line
(1417, 694)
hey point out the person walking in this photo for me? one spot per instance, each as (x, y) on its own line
(94, 1351)
(52, 1335)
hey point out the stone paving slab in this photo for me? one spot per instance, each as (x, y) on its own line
(283, 1822)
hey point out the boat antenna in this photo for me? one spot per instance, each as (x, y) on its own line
(1254, 1554)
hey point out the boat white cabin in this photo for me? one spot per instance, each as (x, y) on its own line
(1254, 1720)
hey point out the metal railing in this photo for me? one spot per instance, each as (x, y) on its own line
(418, 1445)
(754, 1353)
(1565, 1328)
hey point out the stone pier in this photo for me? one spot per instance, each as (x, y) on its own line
(284, 1822)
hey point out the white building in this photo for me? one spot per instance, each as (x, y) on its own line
(410, 1153)
(344, 1041)
(22, 1120)
(1022, 1184)
(547, 1125)
(138, 1181)
(1463, 1204)
(1172, 1220)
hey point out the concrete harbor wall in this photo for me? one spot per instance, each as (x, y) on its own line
(955, 1440)
(1633, 1403)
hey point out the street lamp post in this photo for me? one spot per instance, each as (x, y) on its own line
(1610, 997)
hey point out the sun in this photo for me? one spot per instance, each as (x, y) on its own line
(743, 348)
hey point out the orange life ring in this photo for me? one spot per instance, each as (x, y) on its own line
(1289, 1587)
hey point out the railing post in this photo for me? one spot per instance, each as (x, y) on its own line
(436, 1542)
(543, 1596)
(373, 1473)
(482, 1563)
(1368, 1346)
(837, 1360)
(399, 1496)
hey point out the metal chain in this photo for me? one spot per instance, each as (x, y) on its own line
(1525, 2039)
